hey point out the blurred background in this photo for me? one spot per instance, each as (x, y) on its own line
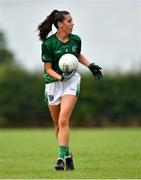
(111, 37)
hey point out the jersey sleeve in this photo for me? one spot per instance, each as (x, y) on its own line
(79, 45)
(78, 39)
(46, 55)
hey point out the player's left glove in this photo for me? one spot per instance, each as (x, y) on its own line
(96, 71)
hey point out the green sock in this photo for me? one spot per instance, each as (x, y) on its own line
(68, 152)
(62, 152)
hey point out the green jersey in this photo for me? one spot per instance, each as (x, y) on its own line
(53, 49)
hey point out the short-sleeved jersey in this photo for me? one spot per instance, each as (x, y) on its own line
(53, 49)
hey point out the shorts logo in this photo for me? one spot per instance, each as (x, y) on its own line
(50, 97)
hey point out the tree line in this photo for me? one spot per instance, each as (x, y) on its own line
(112, 101)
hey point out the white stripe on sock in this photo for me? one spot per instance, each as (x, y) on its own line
(68, 156)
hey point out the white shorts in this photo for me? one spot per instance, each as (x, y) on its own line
(54, 91)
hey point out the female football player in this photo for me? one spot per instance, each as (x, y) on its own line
(61, 90)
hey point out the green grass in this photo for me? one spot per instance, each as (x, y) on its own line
(98, 153)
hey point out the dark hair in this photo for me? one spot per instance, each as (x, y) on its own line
(45, 27)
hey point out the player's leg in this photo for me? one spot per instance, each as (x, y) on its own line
(66, 107)
(71, 89)
(54, 111)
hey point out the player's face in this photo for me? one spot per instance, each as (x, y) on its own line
(67, 24)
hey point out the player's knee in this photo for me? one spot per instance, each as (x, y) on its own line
(63, 120)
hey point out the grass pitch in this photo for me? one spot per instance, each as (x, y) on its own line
(98, 153)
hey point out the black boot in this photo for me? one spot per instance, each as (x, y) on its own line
(69, 163)
(59, 166)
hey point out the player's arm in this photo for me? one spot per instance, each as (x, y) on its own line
(83, 60)
(51, 72)
(95, 69)
(47, 59)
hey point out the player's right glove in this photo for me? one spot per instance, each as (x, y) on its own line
(96, 71)
(66, 76)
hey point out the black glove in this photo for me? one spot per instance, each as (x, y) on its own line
(67, 76)
(96, 71)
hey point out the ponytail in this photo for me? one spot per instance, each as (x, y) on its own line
(45, 27)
